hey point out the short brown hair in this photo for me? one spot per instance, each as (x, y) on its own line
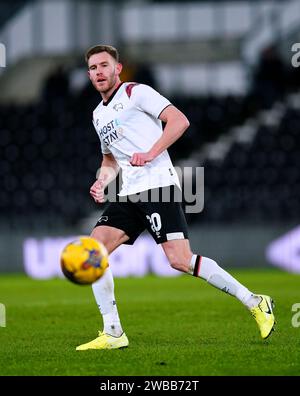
(96, 49)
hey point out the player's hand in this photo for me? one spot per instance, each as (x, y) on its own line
(140, 159)
(97, 191)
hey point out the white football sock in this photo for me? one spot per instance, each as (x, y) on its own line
(209, 270)
(103, 290)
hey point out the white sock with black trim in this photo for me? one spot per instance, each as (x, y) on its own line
(208, 269)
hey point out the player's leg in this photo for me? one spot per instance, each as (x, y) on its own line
(181, 258)
(111, 237)
(103, 289)
(166, 222)
(118, 224)
(112, 336)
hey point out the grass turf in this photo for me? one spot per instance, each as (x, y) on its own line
(176, 326)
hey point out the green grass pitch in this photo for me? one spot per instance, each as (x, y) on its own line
(176, 326)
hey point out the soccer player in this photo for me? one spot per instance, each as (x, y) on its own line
(128, 121)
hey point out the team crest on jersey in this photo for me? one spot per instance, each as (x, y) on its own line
(118, 106)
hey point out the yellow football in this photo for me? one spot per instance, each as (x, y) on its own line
(84, 260)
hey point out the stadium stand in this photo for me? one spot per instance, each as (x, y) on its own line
(50, 154)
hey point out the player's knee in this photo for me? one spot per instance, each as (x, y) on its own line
(100, 236)
(105, 238)
(111, 238)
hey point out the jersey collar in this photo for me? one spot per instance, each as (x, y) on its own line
(112, 95)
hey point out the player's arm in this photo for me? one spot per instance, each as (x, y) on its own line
(176, 124)
(108, 172)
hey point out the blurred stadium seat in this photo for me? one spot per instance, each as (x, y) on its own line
(51, 153)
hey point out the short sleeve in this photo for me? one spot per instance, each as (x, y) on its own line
(104, 148)
(149, 100)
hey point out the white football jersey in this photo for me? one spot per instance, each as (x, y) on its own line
(128, 123)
